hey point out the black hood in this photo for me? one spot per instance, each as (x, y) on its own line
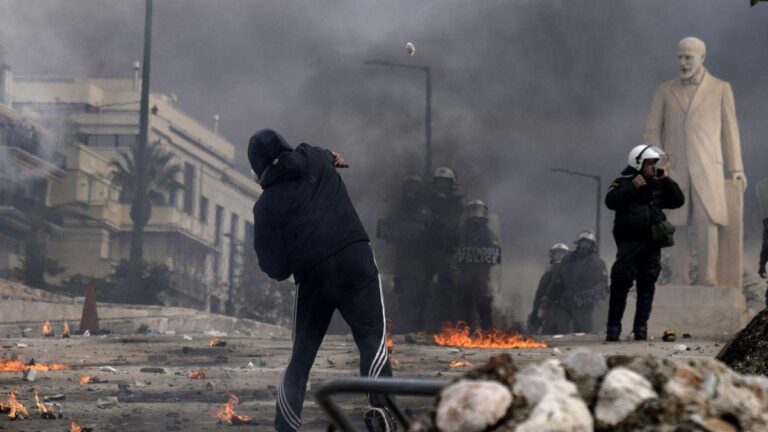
(630, 171)
(264, 147)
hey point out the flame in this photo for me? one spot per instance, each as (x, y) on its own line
(460, 363)
(200, 374)
(46, 411)
(460, 336)
(227, 412)
(73, 427)
(65, 333)
(47, 329)
(16, 365)
(87, 379)
(18, 410)
(4, 408)
(215, 342)
(393, 361)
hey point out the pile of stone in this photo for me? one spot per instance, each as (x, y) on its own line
(585, 391)
(747, 352)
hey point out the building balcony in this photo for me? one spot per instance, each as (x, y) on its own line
(170, 219)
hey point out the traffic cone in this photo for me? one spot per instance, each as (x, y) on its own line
(90, 317)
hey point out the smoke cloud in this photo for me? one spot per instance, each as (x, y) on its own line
(519, 87)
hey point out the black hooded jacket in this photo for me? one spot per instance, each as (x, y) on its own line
(304, 214)
(638, 209)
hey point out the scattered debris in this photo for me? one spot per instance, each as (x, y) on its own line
(216, 342)
(45, 410)
(472, 406)
(17, 410)
(681, 347)
(153, 370)
(669, 336)
(460, 363)
(56, 397)
(198, 374)
(687, 336)
(30, 375)
(87, 379)
(106, 402)
(107, 369)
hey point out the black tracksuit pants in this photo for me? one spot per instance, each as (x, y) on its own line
(635, 262)
(347, 281)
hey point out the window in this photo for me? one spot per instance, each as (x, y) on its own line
(189, 187)
(203, 209)
(102, 140)
(219, 221)
(126, 140)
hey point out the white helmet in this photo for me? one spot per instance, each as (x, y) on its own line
(586, 235)
(645, 152)
(444, 172)
(559, 247)
(476, 209)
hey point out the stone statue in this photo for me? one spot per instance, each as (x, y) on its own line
(693, 118)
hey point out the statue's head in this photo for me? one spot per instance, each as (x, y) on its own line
(691, 52)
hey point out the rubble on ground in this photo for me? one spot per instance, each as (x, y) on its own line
(586, 391)
(747, 352)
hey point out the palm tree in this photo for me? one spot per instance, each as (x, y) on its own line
(43, 221)
(160, 179)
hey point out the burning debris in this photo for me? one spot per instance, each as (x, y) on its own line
(216, 342)
(74, 427)
(16, 365)
(461, 336)
(227, 412)
(87, 379)
(393, 361)
(46, 410)
(65, 333)
(586, 391)
(17, 410)
(199, 374)
(460, 363)
(48, 329)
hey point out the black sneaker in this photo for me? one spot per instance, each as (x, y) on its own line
(379, 420)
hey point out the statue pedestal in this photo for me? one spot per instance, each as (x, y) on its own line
(698, 310)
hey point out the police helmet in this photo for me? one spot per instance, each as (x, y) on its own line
(587, 235)
(444, 172)
(413, 178)
(476, 209)
(559, 247)
(645, 152)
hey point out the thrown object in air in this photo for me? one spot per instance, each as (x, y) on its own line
(411, 48)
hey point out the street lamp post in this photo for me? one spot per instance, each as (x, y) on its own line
(599, 180)
(428, 109)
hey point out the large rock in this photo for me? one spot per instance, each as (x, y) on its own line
(747, 352)
(472, 406)
(585, 368)
(553, 401)
(621, 393)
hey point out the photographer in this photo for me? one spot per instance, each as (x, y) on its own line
(640, 229)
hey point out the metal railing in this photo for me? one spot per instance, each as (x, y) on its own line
(386, 387)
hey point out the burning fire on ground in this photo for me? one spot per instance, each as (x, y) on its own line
(17, 410)
(47, 329)
(46, 410)
(460, 363)
(216, 342)
(461, 335)
(227, 412)
(16, 365)
(65, 333)
(199, 374)
(87, 379)
(393, 361)
(74, 427)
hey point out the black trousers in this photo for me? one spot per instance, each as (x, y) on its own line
(413, 296)
(347, 281)
(639, 263)
(475, 299)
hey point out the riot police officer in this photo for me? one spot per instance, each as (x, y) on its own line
(640, 229)
(578, 282)
(407, 232)
(478, 252)
(446, 208)
(764, 256)
(535, 318)
(762, 202)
